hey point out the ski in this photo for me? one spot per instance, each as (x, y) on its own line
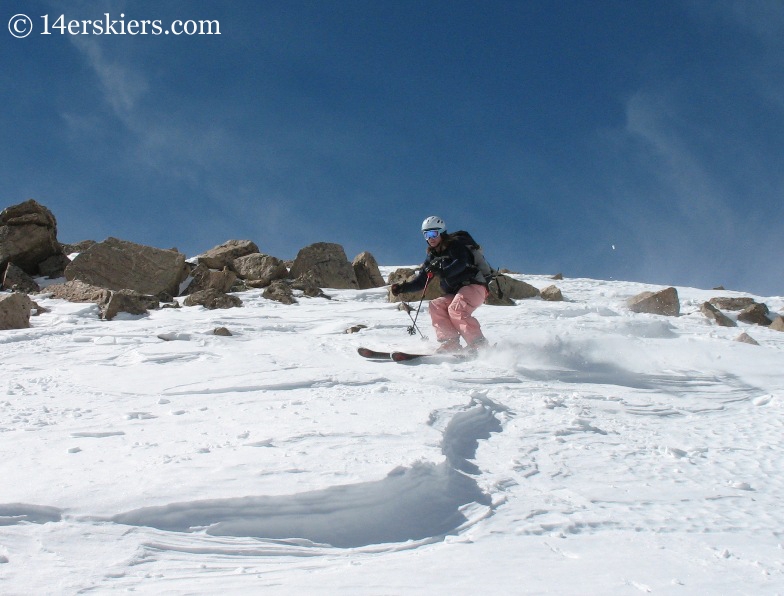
(434, 357)
(405, 356)
(373, 354)
(408, 357)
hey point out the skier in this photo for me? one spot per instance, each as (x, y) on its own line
(464, 286)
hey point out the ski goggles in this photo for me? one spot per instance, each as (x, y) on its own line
(431, 234)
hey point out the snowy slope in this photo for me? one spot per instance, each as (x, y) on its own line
(593, 451)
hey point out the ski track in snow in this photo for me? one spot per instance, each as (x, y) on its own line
(201, 463)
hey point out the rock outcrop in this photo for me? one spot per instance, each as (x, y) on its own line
(17, 280)
(279, 291)
(552, 294)
(110, 303)
(756, 314)
(715, 314)
(664, 302)
(504, 290)
(212, 299)
(79, 291)
(54, 266)
(726, 303)
(121, 265)
(747, 339)
(324, 264)
(224, 254)
(15, 309)
(28, 236)
(205, 278)
(129, 301)
(259, 270)
(367, 272)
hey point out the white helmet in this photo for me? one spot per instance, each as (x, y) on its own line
(434, 223)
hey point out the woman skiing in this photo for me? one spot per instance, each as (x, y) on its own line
(464, 287)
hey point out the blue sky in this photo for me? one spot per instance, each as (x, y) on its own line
(638, 140)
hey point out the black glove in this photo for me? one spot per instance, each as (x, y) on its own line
(395, 289)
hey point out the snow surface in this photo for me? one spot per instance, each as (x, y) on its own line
(592, 451)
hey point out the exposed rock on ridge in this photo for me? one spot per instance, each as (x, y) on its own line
(28, 236)
(121, 265)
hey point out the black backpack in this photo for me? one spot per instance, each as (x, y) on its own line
(480, 262)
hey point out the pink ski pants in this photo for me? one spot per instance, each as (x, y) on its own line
(451, 314)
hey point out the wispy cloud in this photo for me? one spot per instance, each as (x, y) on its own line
(656, 120)
(762, 18)
(694, 222)
(122, 86)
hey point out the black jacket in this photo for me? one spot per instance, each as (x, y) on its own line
(455, 266)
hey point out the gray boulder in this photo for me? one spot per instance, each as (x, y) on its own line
(205, 278)
(552, 294)
(109, 302)
(54, 266)
(664, 302)
(715, 314)
(79, 291)
(367, 272)
(504, 290)
(516, 289)
(222, 255)
(260, 269)
(279, 291)
(726, 303)
(15, 311)
(756, 314)
(307, 288)
(324, 264)
(121, 265)
(778, 323)
(212, 299)
(129, 302)
(16, 280)
(747, 339)
(28, 235)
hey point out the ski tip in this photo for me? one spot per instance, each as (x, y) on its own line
(368, 353)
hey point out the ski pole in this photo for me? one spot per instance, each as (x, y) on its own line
(413, 329)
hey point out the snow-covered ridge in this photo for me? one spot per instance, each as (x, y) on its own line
(610, 452)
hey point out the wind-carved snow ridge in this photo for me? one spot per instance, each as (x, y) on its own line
(462, 434)
(16, 513)
(423, 502)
